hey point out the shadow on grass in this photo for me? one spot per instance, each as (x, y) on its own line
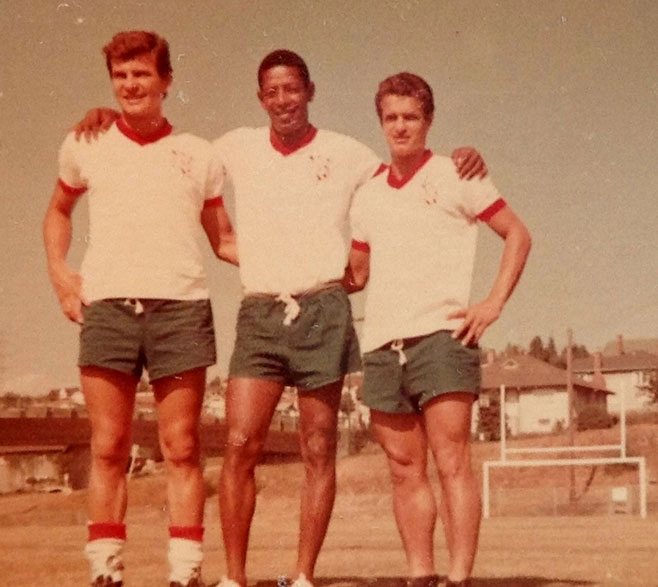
(475, 582)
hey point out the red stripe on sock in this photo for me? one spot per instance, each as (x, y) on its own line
(98, 530)
(187, 532)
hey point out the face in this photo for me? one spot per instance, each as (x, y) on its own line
(285, 97)
(404, 124)
(138, 87)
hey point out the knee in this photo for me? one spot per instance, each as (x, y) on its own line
(180, 445)
(406, 470)
(318, 447)
(242, 449)
(455, 463)
(110, 448)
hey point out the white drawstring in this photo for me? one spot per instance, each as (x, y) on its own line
(397, 346)
(136, 304)
(291, 310)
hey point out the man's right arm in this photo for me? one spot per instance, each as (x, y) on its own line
(57, 230)
(95, 121)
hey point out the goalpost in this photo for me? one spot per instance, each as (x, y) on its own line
(622, 458)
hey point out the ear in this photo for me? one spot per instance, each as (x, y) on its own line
(311, 91)
(259, 95)
(167, 84)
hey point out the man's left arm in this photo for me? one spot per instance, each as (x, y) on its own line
(478, 317)
(469, 163)
(357, 270)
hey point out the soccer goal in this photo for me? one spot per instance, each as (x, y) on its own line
(620, 458)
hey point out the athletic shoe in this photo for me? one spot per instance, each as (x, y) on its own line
(462, 583)
(106, 581)
(300, 581)
(193, 582)
(226, 582)
(425, 581)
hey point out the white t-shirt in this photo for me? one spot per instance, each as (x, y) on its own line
(292, 206)
(421, 234)
(145, 201)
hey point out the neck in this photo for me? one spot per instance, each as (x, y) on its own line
(145, 126)
(404, 165)
(291, 139)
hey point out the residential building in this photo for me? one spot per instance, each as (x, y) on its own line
(536, 393)
(624, 367)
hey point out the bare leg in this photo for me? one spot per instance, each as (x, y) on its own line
(403, 438)
(250, 404)
(110, 399)
(179, 400)
(318, 433)
(448, 421)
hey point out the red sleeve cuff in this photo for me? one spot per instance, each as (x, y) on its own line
(488, 213)
(71, 191)
(217, 202)
(360, 246)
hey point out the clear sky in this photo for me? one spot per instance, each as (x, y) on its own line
(560, 97)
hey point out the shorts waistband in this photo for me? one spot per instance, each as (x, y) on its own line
(410, 341)
(307, 292)
(291, 301)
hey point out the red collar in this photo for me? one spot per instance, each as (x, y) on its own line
(284, 149)
(396, 183)
(128, 132)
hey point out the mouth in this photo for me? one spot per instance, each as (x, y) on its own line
(285, 117)
(133, 99)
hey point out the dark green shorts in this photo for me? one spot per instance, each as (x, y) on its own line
(318, 348)
(433, 365)
(166, 337)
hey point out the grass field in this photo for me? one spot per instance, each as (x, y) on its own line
(42, 535)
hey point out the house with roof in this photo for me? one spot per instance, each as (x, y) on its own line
(625, 368)
(536, 393)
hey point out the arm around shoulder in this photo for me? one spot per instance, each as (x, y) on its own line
(95, 121)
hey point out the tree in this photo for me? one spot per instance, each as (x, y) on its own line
(650, 388)
(536, 348)
(512, 350)
(489, 417)
(347, 404)
(551, 352)
(578, 351)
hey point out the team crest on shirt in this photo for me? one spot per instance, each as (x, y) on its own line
(321, 166)
(429, 192)
(182, 161)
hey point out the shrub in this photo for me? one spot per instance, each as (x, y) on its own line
(594, 418)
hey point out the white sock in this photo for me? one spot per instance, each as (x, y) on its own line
(185, 558)
(105, 558)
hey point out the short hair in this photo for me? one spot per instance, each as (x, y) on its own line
(406, 84)
(127, 45)
(283, 57)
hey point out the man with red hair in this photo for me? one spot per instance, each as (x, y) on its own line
(141, 297)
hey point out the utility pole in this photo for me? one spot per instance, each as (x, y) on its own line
(572, 414)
